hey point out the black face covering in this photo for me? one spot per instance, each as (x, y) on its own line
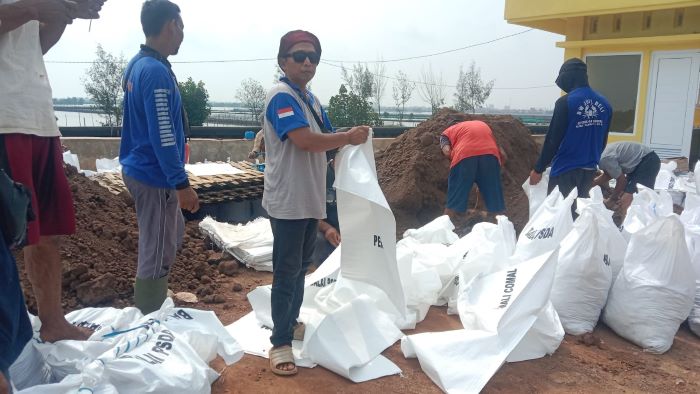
(573, 74)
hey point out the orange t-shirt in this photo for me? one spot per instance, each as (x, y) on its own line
(471, 138)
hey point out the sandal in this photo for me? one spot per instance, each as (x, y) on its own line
(299, 331)
(279, 356)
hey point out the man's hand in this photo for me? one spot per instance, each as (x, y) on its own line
(88, 9)
(52, 11)
(535, 177)
(447, 151)
(358, 135)
(4, 385)
(332, 236)
(188, 199)
(610, 203)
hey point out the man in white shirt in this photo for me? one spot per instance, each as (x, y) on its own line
(30, 147)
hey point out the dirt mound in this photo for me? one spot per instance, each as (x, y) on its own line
(99, 261)
(413, 172)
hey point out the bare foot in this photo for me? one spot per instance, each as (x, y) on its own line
(63, 331)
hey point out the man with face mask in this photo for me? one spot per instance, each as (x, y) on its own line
(577, 133)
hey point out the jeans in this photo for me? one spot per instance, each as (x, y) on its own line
(292, 253)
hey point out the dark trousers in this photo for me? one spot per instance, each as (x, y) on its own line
(292, 253)
(579, 178)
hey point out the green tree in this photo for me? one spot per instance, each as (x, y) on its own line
(472, 91)
(103, 85)
(195, 99)
(349, 109)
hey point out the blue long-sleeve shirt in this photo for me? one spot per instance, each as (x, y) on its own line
(153, 141)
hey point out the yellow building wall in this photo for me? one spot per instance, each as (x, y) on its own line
(634, 40)
(644, 79)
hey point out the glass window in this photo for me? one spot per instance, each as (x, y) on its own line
(617, 78)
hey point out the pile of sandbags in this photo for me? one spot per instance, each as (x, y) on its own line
(166, 351)
(249, 243)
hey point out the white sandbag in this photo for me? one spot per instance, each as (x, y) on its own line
(549, 225)
(614, 243)
(653, 294)
(71, 159)
(67, 357)
(367, 224)
(492, 245)
(536, 194)
(249, 243)
(344, 343)
(108, 166)
(440, 230)
(207, 169)
(199, 329)
(30, 369)
(90, 380)
(647, 206)
(696, 174)
(584, 276)
(542, 339)
(496, 310)
(691, 221)
(138, 353)
(421, 284)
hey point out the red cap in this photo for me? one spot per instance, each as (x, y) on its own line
(296, 36)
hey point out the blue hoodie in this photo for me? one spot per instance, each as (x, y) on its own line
(153, 139)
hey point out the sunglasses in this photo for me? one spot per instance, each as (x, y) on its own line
(300, 56)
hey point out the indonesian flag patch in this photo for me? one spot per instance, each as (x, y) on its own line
(285, 112)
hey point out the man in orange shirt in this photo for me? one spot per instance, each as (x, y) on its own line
(475, 157)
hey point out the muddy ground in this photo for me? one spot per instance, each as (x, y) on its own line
(99, 265)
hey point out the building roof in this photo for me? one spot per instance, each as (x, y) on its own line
(550, 15)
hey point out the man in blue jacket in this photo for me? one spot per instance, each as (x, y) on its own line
(577, 133)
(152, 152)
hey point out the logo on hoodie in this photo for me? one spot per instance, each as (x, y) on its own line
(588, 113)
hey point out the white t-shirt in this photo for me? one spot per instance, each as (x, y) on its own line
(26, 106)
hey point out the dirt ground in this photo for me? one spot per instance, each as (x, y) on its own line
(99, 265)
(598, 363)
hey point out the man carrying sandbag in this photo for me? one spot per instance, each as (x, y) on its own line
(474, 158)
(577, 133)
(629, 163)
(297, 135)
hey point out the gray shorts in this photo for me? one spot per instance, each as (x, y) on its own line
(161, 227)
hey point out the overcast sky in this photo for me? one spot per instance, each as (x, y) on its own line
(363, 30)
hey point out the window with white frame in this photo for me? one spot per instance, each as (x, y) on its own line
(617, 78)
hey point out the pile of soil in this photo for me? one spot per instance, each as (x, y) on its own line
(413, 171)
(99, 260)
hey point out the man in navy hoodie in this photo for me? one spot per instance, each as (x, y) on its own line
(577, 133)
(152, 152)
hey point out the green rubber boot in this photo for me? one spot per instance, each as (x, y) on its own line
(149, 294)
